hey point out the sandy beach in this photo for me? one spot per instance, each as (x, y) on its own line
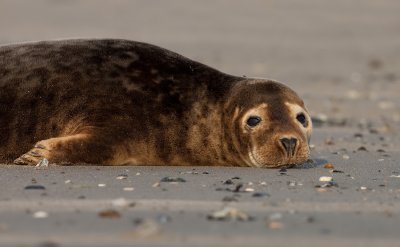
(343, 59)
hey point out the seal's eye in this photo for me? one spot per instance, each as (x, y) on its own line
(302, 119)
(253, 121)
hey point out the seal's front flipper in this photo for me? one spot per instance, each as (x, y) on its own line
(34, 156)
(79, 148)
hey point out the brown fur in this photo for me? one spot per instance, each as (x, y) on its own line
(117, 102)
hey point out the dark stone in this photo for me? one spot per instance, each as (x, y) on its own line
(172, 179)
(34, 187)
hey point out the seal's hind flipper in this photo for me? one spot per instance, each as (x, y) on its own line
(79, 148)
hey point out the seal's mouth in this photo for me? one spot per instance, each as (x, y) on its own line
(286, 163)
(253, 160)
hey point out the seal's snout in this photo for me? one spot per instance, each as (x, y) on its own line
(289, 145)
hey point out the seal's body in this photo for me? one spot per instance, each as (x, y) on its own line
(116, 102)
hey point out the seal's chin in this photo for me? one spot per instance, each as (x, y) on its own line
(276, 162)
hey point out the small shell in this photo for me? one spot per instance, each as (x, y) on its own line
(40, 215)
(43, 163)
(328, 166)
(325, 179)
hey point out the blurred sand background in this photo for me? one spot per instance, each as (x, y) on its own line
(329, 51)
(342, 57)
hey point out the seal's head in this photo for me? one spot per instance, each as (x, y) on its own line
(268, 123)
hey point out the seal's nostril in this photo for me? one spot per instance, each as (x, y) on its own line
(289, 145)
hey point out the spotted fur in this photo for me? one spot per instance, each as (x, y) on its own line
(117, 102)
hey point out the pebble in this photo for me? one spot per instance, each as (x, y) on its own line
(310, 219)
(44, 163)
(188, 172)
(230, 199)
(237, 188)
(122, 176)
(310, 161)
(345, 157)
(110, 214)
(137, 221)
(173, 179)
(163, 218)
(329, 184)
(328, 166)
(329, 141)
(34, 187)
(229, 213)
(275, 216)
(325, 179)
(358, 135)
(283, 171)
(275, 225)
(40, 215)
(101, 185)
(363, 188)
(120, 202)
(261, 194)
(249, 189)
(228, 181)
(128, 189)
(362, 148)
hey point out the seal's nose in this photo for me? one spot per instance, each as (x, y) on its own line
(289, 144)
